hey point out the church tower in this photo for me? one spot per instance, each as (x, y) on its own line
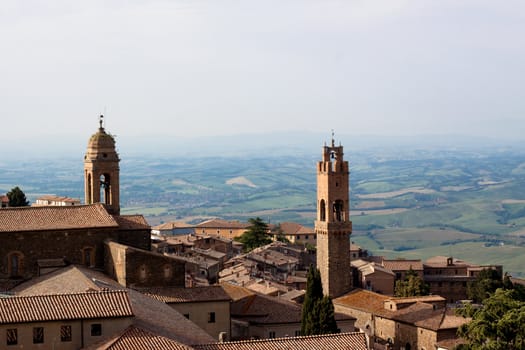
(101, 171)
(333, 226)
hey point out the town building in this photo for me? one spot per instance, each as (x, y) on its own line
(207, 307)
(56, 201)
(257, 316)
(449, 277)
(223, 228)
(295, 233)
(401, 323)
(65, 321)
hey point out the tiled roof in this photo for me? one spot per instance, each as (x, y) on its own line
(421, 313)
(261, 309)
(55, 218)
(403, 265)
(341, 341)
(185, 295)
(236, 292)
(134, 338)
(216, 223)
(292, 228)
(171, 225)
(132, 222)
(442, 261)
(150, 314)
(363, 300)
(39, 308)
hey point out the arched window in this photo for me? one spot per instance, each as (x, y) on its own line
(105, 185)
(15, 264)
(89, 190)
(338, 211)
(322, 210)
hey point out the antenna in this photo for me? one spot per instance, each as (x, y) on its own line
(333, 141)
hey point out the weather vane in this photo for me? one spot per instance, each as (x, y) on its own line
(101, 120)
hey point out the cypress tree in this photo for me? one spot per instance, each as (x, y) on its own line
(318, 311)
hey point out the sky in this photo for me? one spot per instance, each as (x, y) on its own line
(205, 68)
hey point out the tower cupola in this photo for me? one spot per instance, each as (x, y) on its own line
(101, 170)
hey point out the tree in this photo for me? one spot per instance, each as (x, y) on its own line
(256, 235)
(498, 325)
(17, 198)
(485, 284)
(411, 286)
(318, 310)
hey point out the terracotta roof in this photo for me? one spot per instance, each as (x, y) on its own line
(442, 261)
(4, 199)
(55, 218)
(236, 292)
(132, 222)
(39, 308)
(217, 223)
(185, 295)
(363, 300)
(403, 265)
(421, 313)
(150, 314)
(341, 341)
(134, 338)
(171, 225)
(261, 309)
(292, 228)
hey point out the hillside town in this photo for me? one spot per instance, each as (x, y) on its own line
(80, 275)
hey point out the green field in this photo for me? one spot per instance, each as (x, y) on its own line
(408, 203)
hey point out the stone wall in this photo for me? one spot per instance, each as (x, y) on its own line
(133, 267)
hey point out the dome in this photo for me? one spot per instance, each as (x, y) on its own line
(101, 146)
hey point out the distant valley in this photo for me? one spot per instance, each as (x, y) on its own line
(405, 203)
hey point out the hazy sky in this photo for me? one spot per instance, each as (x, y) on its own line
(216, 67)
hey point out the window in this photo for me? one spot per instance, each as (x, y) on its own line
(297, 333)
(38, 335)
(211, 317)
(96, 330)
(15, 262)
(65, 333)
(306, 237)
(271, 334)
(88, 256)
(11, 336)
(187, 316)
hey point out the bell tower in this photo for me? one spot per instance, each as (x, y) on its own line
(333, 226)
(101, 170)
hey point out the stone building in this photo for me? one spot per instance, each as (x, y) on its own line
(403, 323)
(333, 226)
(49, 321)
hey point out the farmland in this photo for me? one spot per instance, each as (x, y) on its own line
(469, 204)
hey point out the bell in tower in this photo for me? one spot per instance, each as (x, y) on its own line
(101, 170)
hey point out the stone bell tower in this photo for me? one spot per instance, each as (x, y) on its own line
(101, 171)
(333, 226)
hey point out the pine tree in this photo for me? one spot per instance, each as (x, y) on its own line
(256, 234)
(17, 198)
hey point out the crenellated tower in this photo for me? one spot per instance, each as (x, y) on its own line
(101, 171)
(333, 226)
